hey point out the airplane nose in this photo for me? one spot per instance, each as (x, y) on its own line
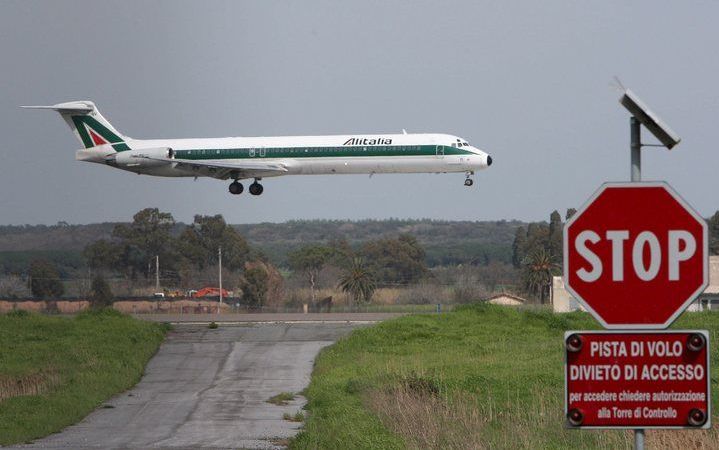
(489, 160)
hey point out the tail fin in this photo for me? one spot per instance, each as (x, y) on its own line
(88, 124)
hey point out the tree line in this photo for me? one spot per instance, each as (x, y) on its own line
(446, 243)
(189, 257)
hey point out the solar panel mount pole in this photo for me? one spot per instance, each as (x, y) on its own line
(636, 149)
(635, 138)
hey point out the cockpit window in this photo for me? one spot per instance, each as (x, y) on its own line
(460, 143)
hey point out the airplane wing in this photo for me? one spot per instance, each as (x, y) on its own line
(222, 169)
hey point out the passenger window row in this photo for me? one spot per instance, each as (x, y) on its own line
(294, 150)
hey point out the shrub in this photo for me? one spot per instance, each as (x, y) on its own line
(45, 280)
(101, 293)
(18, 313)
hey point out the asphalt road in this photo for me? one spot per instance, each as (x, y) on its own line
(209, 389)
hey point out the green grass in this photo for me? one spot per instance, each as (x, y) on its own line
(281, 399)
(492, 375)
(296, 417)
(75, 364)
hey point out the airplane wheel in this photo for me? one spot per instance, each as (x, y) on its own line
(256, 188)
(236, 188)
(468, 182)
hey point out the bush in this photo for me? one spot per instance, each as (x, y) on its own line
(18, 313)
(468, 289)
(45, 280)
(101, 293)
(254, 289)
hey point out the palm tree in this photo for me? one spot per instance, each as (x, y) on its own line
(358, 281)
(538, 271)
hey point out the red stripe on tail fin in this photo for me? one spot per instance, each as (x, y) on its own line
(96, 138)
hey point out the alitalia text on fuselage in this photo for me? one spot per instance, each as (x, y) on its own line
(242, 158)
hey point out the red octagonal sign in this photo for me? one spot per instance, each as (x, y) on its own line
(636, 255)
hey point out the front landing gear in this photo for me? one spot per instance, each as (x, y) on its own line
(236, 188)
(469, 181)
(256, 188)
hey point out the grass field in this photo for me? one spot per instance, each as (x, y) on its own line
(482, 376)
(55, 370)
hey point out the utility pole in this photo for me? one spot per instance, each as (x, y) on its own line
(157, 273)
(219, 254)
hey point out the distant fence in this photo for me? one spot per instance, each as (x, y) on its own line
(160, 306)
(46, 306)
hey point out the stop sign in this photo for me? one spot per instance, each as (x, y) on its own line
(636, 255)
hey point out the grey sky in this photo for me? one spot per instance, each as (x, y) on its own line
(527, 82)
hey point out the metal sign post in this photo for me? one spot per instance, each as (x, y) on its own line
(635, 144)
(662, 132)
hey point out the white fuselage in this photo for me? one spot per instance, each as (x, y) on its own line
(294, 155)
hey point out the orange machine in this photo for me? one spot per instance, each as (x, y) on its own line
(210, 292)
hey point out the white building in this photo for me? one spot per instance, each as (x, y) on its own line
(562, 300)
(710, 297)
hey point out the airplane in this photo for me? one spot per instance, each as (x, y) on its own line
(244, 158)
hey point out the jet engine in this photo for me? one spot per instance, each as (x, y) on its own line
(146, 157)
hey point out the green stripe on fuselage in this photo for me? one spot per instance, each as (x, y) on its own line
(320, 152)
(120, 147)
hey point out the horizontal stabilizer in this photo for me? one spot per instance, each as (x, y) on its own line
(87, 124)
(76, 107)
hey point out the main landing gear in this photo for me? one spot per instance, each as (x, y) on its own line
(469, 181)
(236, 188)
(255, 188)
